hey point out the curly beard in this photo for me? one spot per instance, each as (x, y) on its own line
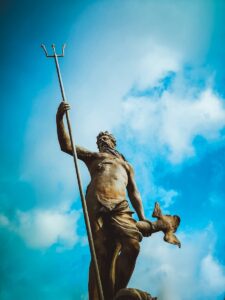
(106, 148)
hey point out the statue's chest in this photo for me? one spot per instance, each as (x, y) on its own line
(109, 165)
(106, 164)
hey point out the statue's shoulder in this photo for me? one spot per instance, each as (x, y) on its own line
(129, 167)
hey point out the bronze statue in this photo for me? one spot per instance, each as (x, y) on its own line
(116, 234)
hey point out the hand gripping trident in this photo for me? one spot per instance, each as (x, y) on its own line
(86, 217)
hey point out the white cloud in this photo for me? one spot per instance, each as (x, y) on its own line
(123, 44)
(43, 228)
(181, 274)
(166, 196)
(170, 124)
(212, 275)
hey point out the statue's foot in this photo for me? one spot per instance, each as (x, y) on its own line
(133, 294)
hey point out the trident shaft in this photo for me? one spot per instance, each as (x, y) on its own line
(84, 205)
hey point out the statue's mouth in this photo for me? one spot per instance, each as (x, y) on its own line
(103, 145)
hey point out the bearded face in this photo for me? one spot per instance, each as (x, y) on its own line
(105, 142)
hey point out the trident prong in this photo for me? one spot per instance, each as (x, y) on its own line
(54, 51)
(45, 50)
(63, 48)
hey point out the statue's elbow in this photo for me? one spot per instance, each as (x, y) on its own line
(65, 149)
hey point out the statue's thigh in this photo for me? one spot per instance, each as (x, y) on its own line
(100, 242)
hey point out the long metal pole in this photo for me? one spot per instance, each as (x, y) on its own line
(84, 205)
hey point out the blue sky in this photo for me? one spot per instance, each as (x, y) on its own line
(151, 72)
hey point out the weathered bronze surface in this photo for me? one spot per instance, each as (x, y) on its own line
(165, 223)
(116, 234)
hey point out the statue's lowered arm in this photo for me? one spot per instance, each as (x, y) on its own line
(134, 195)
(165, 223)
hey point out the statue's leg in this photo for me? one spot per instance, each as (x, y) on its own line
(115, 254)
(104, 253)
(126, 262)
(92, 285)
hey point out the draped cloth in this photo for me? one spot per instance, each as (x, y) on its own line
(113, 218)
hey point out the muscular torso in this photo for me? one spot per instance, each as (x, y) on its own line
(109, 177)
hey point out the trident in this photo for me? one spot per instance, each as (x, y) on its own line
(84, 205)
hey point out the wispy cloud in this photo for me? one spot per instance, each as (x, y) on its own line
(43, 228)
(212, 275)
(169, 125)
(137, 49)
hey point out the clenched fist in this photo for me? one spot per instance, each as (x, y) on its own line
(63, 107)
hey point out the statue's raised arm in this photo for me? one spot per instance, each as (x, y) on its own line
(63, 137)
